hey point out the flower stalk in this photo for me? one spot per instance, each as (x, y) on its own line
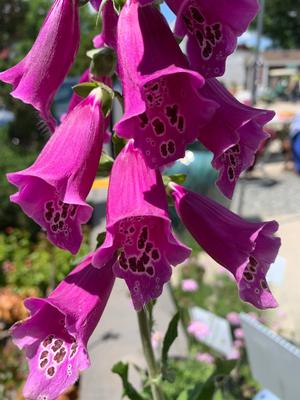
(152, 366)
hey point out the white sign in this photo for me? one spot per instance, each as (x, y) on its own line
(219, 336)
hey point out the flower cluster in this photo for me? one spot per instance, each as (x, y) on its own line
(170, 100)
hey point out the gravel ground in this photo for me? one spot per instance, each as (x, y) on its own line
(271, 191)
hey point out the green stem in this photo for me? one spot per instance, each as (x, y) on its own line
(149, 355)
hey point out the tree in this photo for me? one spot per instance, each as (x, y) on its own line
(282, 23)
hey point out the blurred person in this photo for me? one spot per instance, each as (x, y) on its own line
(295, 141)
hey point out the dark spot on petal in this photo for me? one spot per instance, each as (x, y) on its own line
(188, 23)
(51, 371)
(196, 15)
(48, 215)
(132, 264)
(217, 30)
(171, 112)
(44, 354)
(171, 147)
(150, 271)
(145, 258)
(73, 210)
(230, 173)
(199, 37)
(123, 261)
(253, 261)
(56, 217)
(141, 244)
(49, 205)
(54, 228)
(140, 266)
(44, 363)
(158, 126)
(232, 160)
(207, 51)
(210, 35)
(149, 247)
(235, 149)
(180, 124)
(164, 149)
(155, 87)
(248, 276)
(263, 284)
(47, 341)
(150, 98)
(60, 355)
(57, 344)
(144, 120)
(155, 254)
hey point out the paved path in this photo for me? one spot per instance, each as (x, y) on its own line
(116, 338)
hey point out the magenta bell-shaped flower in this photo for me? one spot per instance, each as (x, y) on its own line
(108, 35)
(212, 28)
(164, 110)
(53, 190)
(37, 77)
(56, 334)
(246, 249)
(233, 135)
(139, 228)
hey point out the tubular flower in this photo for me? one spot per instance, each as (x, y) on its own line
(76, 99)
(212, 28)
(233, 135)
(246, 249)
(53, 190)
(163, 107)
(55, 335)
(37, 77)
(139, 228)
(108, 35)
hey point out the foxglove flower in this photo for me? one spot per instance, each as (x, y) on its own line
(163, 108)
(108, 35)
(139, 228)
(212, 28)
(246, 249)
(76, 99)
(56, 334)
(233, 135)
(53, 190)
(37, 77)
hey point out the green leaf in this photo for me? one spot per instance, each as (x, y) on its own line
(177, 178)
(105, 166)
(206, 390)
(170, 336)
(100, 239)
(118, 5)
(118, 144)
(121, 369)
(84, 89)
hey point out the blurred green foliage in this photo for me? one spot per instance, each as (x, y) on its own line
(33, 263)
(282, 24)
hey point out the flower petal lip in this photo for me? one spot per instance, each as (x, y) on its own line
(55, 335)
(212, 30)
(53, 190)
(234, 135)
(246, 249)
(138, 228)
(37, 77)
